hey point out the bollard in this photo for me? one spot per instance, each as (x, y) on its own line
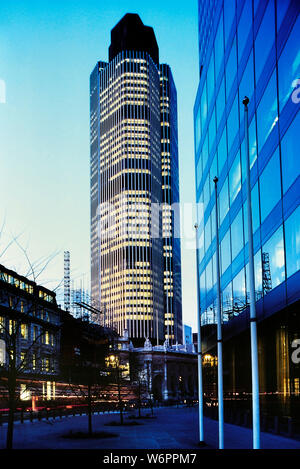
(30, 415)
(22, 416)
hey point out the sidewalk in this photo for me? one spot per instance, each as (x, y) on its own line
(172, 429)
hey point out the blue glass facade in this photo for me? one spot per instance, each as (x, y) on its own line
(248, 48)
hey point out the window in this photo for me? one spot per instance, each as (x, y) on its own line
(290, 154)
(257, 277)
(225, 252)
(203, 108)
(222, 151)
(219, 46)
(244, 27)
(265, 39)
(24, 331)
(227, 301)
(212, 130)
(237, 239)
(207, 234)
(199, 171)
(289, 65)
(210, 80)
(252, 142)
(209, 276)
(229, 12)
(267, 116)
(273, 260)
(235, 179)
(247, 81)
(231, 68)
(206, 193)
(232, 123)
(220, 102)
(292, 242)
(282, 6)
(197, 130)
(223, 201)
(270, 186)
(255, 212)
(202, 286)
(239, 293)
(205, 152)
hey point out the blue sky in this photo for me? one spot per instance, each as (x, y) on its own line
(47, 51)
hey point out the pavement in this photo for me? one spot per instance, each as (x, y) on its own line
(173, 428)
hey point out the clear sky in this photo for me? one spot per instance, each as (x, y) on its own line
(47, 50)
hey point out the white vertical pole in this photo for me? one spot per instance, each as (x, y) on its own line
(219, 330)
(253, 319)
(199, 351)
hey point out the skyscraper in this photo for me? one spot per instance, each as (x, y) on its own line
(250, 48)
(127, 186)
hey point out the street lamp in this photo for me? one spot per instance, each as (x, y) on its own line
(253, 319)
(199, 350)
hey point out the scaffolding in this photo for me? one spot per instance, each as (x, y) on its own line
(67, 294)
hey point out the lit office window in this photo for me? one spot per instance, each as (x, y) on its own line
(265, 39)
(290, 154)
(292, 242)
(267, 115)
(270, 186)
(273, 259)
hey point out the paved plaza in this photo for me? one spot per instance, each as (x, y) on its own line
(171, 429)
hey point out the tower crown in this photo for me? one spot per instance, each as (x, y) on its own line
(130, 33)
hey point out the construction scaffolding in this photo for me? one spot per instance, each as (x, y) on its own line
(67, 293)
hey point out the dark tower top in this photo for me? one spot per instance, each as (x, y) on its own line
(131, 34)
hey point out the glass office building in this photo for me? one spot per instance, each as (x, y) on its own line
(250, 48)
(133, 108)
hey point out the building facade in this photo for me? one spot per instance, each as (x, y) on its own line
(29, 335)
(129, 97)
(249, 48)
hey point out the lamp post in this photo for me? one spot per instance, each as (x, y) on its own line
(253, 319)
(199, 350)
(219, 329)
